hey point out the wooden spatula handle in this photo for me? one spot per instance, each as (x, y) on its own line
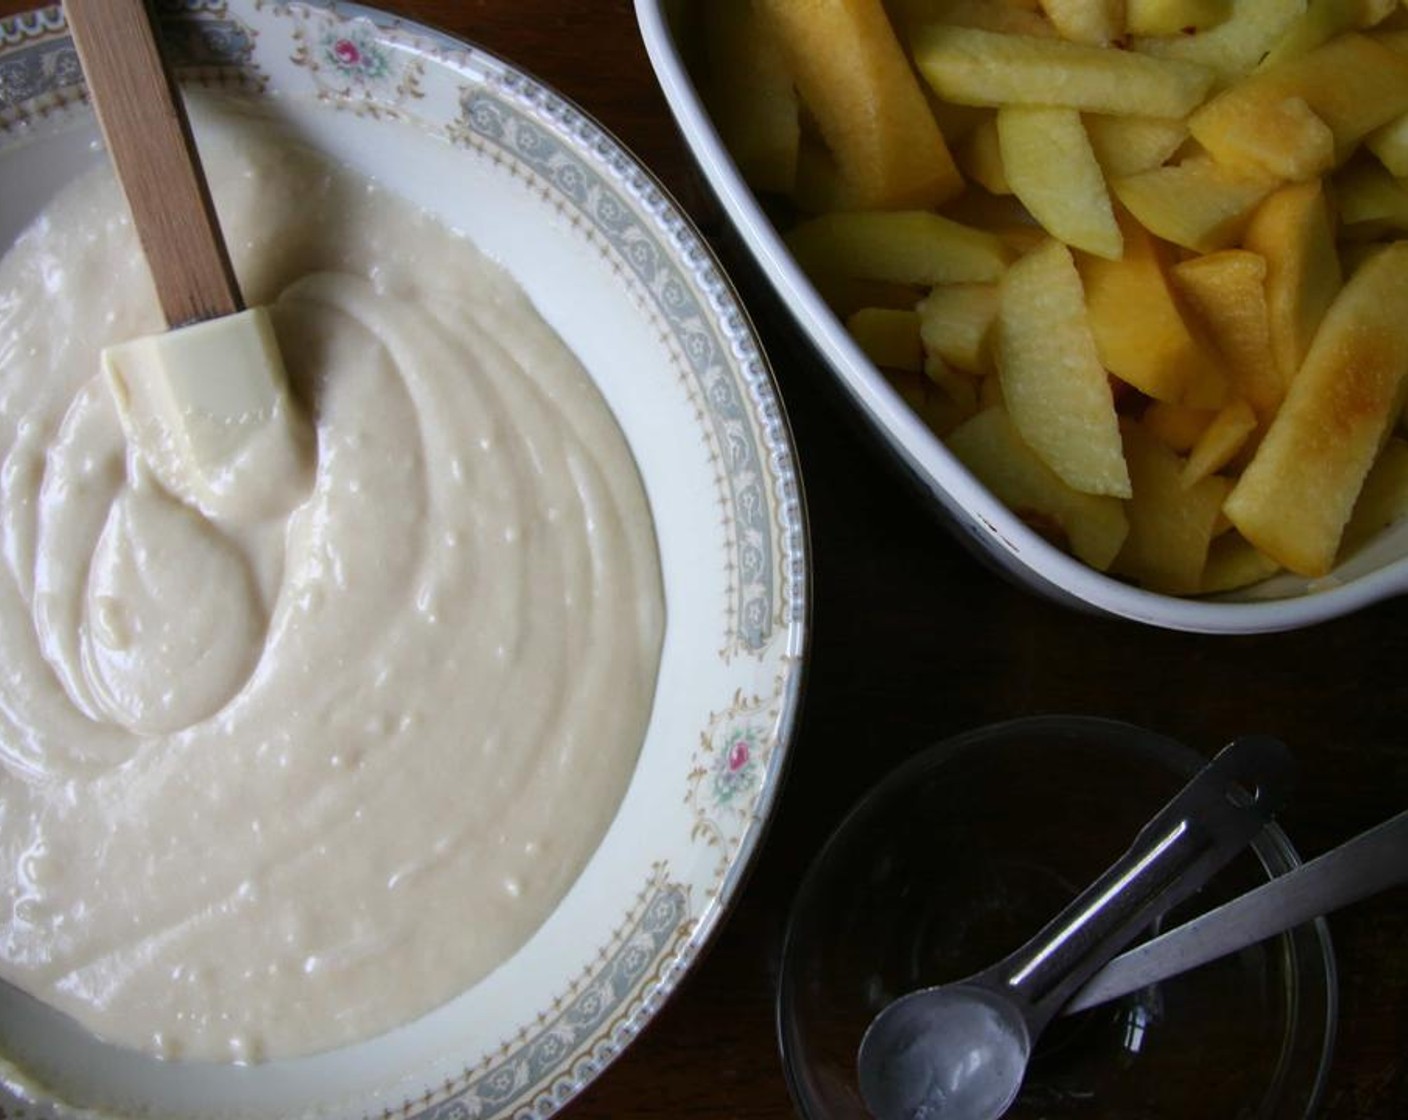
(149, 140)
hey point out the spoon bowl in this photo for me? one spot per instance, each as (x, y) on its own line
(959, 1050)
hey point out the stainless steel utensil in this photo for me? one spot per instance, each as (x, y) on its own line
(1371, 862)
(960, 1050)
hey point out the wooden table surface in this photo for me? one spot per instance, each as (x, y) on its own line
(913, 640)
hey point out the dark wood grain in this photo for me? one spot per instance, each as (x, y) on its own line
(913, 640)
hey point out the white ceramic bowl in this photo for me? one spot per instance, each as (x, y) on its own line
(624, 278)
(1379, 571)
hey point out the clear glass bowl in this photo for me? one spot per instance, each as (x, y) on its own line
(964, 852)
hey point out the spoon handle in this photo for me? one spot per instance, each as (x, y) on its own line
(149, 138)
(1371, 862)
(1202, 828)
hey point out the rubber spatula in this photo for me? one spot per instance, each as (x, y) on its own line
(207, 402)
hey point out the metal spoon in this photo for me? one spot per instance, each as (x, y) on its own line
(960, 1050)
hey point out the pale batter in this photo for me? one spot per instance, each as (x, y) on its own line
(270, 786)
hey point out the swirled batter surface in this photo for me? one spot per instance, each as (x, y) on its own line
(270, 786)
